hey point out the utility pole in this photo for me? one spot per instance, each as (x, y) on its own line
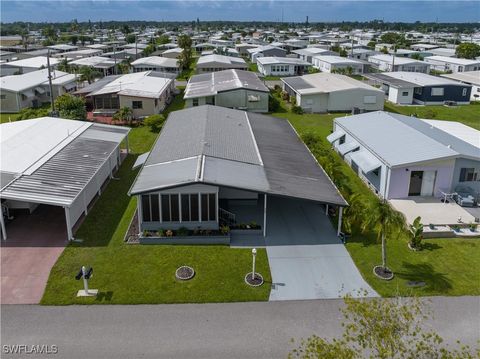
(136, 49)
(115, 59)
(50, 83)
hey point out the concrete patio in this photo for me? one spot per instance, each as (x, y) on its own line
(433, 211)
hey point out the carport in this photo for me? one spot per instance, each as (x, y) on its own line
(57, 162)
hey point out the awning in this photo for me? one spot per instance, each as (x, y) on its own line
(335, 135)
(70, 86)
(140, 160)
(40, 90)
(346, 147)
(28, 93)
(365, 160)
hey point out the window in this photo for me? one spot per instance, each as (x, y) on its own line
(253, 98)
(185, 207)
(467, 175)
(370, 99)
(165, 208)
(418, 90)
(204, 198)
(174, 208)
(146, 208)
(437, 91)
(156, 102)
(194, 207)
(464, 92)
(404, 93)
(155, 208)
(195, 102)
(137, 104)
(3, 97)
(209, 206)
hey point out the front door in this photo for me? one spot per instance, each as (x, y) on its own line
(415, 183)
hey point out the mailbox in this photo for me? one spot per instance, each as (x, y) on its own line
(79, 275)
(88, 273)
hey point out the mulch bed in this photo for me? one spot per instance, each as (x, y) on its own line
(184, 273)
(256, 281)
(383, 273)
(131, 237)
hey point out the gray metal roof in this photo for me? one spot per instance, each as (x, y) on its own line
(227, 80)
(297, 83)
(63, 177)
(395, 138)
(232, 148)
(384, 78)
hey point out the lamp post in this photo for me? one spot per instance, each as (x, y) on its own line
(254, 254)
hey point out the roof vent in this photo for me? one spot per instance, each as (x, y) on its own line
(449, 146)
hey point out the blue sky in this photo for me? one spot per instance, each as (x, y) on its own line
(293, 10)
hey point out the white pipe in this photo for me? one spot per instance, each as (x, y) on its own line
(2, 223)
(340, 214)
(265, 215)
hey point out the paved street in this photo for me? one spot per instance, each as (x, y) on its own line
(235, 330)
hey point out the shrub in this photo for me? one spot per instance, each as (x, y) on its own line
(71, 107)
(225, 230)
(155, 122)
(273, 104)
(28, 113)
(285, 96)
(297, 109)
(182, 231)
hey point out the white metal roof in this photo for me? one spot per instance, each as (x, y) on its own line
(470, 77)
(459, 130)
(421, 79)
(398, 59)
(221, 59)
(271, 60)
(452, 60)
(156, 61)
(34, 62)
(32, 79)
(330, 59)
(93, 61)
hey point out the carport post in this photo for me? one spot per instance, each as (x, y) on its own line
(326, 209)
(340, 213)
(2, 223)
(69, 225)
(126, 144)
(265, 215)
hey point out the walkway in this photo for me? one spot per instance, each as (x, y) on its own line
(307, 260)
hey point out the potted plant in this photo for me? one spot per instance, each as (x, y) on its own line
(456, 228)
(182, 232)
(472, 227)
(161, 232)
(416, 233)
(431, 226)
(225, 230)
(169, 233)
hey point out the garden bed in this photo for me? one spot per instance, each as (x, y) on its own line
(213, 239)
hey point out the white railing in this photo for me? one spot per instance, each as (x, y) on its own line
(226, 216)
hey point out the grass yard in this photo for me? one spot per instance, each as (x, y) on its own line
(447, 266)
(6, 117)
(138, 274)
(466, 114)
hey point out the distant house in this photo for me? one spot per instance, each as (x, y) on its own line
(79, 54)
(100, 63)
(265, 51)
(470, 78)
(156, 63)
(335, 63)
(212, 63)
(63, 47)
(308, 53)
(146, 93)
(32, 89)
(444, 63)
(28, 65)
(386, 62)
(229, 88)
(243, 49)
(361, 54)
(325, 92)
(443, 51)
(172, 53)
(406, 88)
(282, 66)
(229, 167)
(402, 156)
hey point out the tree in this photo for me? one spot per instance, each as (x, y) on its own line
(71, 107)
(468, 50)
(155, 122)
(124, 114)
(185, 58)
(416, 233)
(88, 74)
(163, 39)
(380, 217)
(130, 38)
(382, 329)
(149, 50)
(392, 38)
(417, 57)
(126, 29)
(25, 36)
(74, 39)
(64, 66)
(124, 66)
(343, 53)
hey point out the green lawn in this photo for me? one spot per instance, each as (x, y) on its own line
(137, 274)
(466, 114)
(447, 266)
(6, 117)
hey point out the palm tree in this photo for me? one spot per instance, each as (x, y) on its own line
(380, 217)
(124, 114)
(88, 74)
(64, 66)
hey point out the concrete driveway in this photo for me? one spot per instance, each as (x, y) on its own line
(35, 241)
(307, 260)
